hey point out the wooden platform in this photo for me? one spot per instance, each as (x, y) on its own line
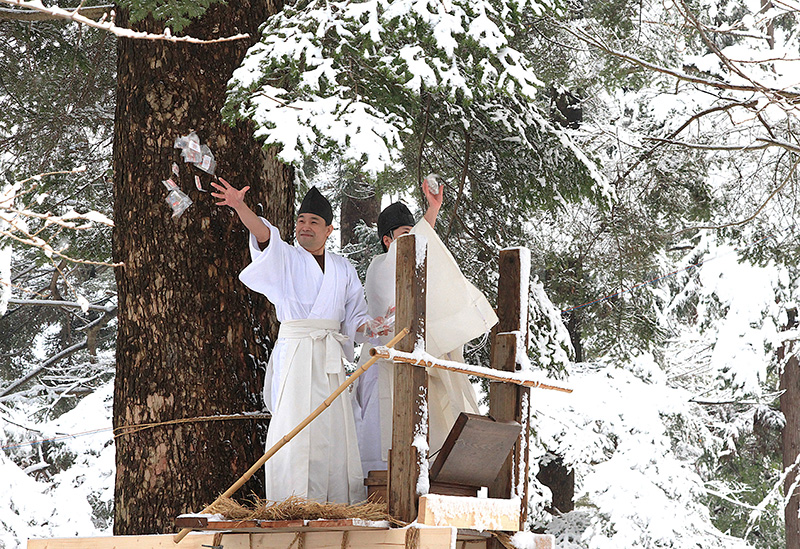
(288, 535)
(277, 538)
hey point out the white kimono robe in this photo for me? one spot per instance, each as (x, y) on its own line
(457, 312)
(319, 314)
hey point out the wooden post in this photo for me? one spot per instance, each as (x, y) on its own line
(511, 402)
(410, 382)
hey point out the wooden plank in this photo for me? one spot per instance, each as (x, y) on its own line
(386, 538)
(428, 538)
(165, 541)
(348, 524)
(463, 512)
(298, 523)
(474, 451)
(505, 405)
(191, 522)
(294, 525)
(410, 382)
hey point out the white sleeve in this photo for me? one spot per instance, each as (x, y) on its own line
(270, 268)
(355, 306)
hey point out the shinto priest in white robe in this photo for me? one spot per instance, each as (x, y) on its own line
(456, 312)
(319, 314)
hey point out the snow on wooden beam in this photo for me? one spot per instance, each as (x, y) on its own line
(468, 512)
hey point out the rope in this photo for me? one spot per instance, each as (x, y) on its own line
(412, 538)
(297, 540)
(345, 539)
(131, 429)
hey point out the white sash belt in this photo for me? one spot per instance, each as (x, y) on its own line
(325, 330)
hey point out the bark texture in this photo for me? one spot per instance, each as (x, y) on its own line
(192, 339)
(357, 205)
(790, 406)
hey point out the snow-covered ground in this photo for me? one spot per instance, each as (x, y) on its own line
(63, 487)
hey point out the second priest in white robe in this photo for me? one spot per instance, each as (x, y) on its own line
(457, 312)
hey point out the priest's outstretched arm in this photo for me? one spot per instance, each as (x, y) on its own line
(234, 198)
(434, 200)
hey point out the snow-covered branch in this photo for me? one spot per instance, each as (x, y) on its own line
(27, 15)
(15, 217)
(80, 304)
(596, 42)
(39, 369)
(106, 23)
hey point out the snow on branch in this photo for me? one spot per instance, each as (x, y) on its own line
(362, 71)
(80, 304)
(106, 21)
(15, 216)
(42, 367)
(27, 15)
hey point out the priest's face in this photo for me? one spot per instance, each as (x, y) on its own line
(392, 236)
(312, 232)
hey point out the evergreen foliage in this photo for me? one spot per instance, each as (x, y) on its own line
(175, 14)
(57, 105)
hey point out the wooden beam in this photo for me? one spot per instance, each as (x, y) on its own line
(468, 512)
(386, 538)
(509, 304)
(192, 541)
(410, 383)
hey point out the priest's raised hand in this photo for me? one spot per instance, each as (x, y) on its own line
(230, 196)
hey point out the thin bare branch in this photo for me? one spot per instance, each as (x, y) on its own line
(755, 214)
(648, 153)
(54, 303)
(708, 147)
(41, 368)
(717, 84)
(108, 24)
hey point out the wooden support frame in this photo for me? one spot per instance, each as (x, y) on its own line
(509, 402)
(410, 382)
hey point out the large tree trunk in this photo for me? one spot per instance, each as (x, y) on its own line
(359, 203)
(790, 406)
(192, 339)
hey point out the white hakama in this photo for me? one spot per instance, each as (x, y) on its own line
(319, 314)
(457, 312)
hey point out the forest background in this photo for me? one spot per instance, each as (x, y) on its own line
(643, 151)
